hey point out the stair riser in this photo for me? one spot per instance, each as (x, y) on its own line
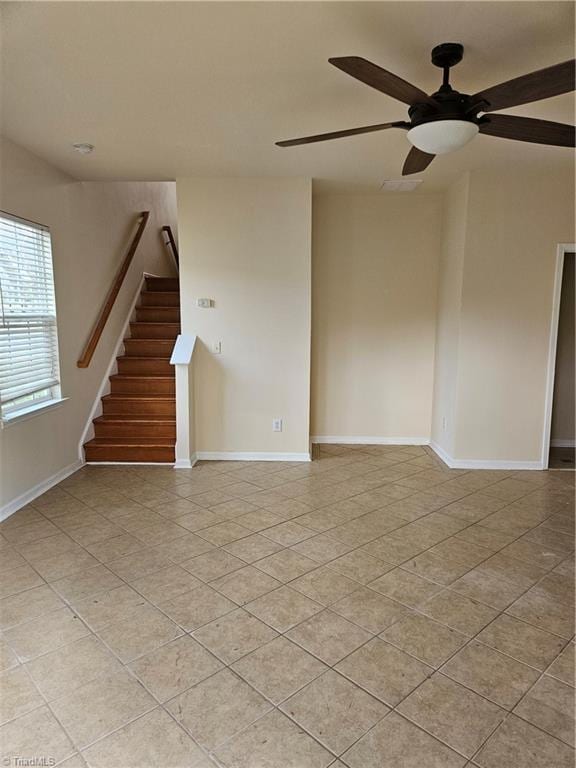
(132, 366)
(134, 429)
(143, 387)
(154, 330)
(162, 284)
(146, 348)
(159, 299)
(139, 407)
(156, 315)
(130, 453)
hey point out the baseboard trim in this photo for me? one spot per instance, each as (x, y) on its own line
(368, 440)
(561, 443)
(185, 463)
(441, 453)
(33, 493)
(129, 463)
(249, 456)
(483, 463)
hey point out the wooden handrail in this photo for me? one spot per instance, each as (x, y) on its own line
(172, 243)
(92, 343)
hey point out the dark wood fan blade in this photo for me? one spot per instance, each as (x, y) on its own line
(416, 161)
(379, 78)
(530, 129)
(340, 134)
(541, 84)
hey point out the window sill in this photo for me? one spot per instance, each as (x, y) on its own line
(32, 411)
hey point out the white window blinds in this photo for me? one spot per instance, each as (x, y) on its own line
(29, 366)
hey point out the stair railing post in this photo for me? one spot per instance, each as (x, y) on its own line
(181, 359)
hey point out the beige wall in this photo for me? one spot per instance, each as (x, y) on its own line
(513, 223)
(455, 211)
(245, 243)
(91, 225)
(375, 261)
(563, 427)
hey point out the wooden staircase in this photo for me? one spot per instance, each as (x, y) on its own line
(138, 421)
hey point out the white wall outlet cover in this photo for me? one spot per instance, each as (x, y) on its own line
(217, 347)
(205, 303)
(276, 425)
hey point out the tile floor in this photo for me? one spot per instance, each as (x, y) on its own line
(372, 609)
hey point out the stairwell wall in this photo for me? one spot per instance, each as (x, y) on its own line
(91, 224)
(245, 243)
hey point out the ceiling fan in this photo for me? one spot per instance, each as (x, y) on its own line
(447, 120)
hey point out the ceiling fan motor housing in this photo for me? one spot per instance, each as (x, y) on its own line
(445, 104)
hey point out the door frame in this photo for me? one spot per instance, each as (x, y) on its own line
(561, 250)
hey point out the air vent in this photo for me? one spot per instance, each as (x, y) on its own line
(400, 185)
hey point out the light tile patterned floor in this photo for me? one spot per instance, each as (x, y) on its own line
(372, 609)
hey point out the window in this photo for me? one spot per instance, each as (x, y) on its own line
(29, 365)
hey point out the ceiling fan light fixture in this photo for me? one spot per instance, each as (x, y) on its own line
(442, 136)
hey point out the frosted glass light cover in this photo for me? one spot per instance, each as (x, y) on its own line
(442, 136)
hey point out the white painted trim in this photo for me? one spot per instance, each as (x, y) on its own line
(561, 249)
(104, 389)
(483, 463)
(561, 443)
(368, 440)
(249, 456)
(181, 359)
(441, 453)
(33, 493)
(183, 349)
(186, 463)
(32, 412)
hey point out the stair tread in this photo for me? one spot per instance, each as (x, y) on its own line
(142, 357)
(165, 442)
(136, 376)
(137, 396)
(135, 417)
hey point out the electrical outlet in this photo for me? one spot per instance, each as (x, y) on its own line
(217, 347)
(276, 425)
(205, 303)
(444, 423)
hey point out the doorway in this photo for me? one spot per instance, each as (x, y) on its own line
(561, 443)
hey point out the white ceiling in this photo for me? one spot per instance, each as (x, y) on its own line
(168, 89)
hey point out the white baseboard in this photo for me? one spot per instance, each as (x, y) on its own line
(247, 456)
(33, 493)
(562, 443)
(368, 440)
(483, 463)
(441, 453)
(185, 463)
